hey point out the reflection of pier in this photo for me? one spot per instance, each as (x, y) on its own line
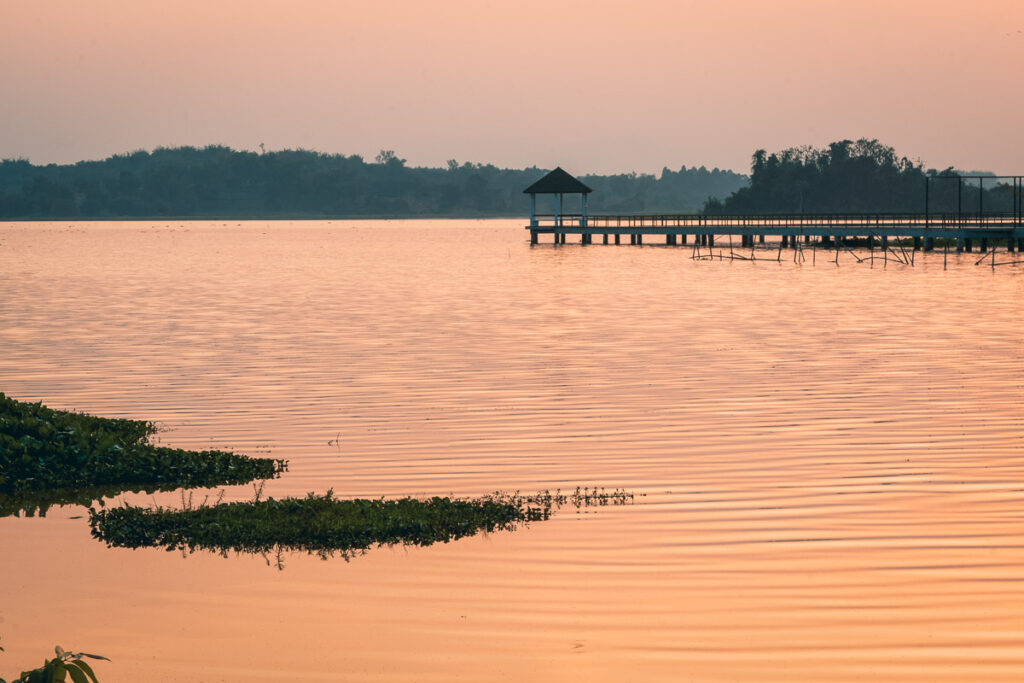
(966, 229)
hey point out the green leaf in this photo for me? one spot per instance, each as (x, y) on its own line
(58, 671)
(76, 674)
(86, 668)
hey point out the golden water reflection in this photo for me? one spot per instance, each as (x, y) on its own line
(831, 454)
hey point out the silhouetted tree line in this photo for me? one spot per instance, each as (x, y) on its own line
(219, 181)
(856, 177)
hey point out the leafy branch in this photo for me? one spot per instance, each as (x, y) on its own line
(65, 665)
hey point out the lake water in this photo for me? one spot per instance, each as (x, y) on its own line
(831, 456)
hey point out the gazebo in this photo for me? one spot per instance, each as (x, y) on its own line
(558, 183)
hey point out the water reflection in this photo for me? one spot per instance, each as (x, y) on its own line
(832, 453)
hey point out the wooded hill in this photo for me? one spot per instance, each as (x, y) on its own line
(862, 176)
(221, 182)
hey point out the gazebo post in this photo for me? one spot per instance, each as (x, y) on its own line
(558, 208)
(583, 207)
(533, 210)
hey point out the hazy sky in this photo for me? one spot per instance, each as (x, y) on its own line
(593, 86)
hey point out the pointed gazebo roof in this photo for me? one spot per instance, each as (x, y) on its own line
(557, 182)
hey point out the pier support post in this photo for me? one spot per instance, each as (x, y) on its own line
(617, 237)
(984, 244)
(670, 240)
(785, 241)
(640, 238)
(885, 243)
(929, 244)
(760, 238)
(533, 237)
(1020, 244)
(960, 244)
(711, 240)
(968, 246)
(917, 244)
(1009, 245)
(807, 239)
(632, 239)
(605, 238)
(682, 239)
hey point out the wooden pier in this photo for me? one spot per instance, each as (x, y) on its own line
(967, 231)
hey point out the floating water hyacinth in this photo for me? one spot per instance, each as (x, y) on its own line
(323, 524)
(47, 450)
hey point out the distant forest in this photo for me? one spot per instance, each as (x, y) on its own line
(862, 176)
(219, 182)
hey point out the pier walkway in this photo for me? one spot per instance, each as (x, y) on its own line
(967, 230)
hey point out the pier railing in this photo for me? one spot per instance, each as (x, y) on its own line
(706, 223)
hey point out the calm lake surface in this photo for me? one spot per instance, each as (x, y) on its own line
(832, 457)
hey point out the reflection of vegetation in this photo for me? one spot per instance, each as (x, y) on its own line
(65, 665)
(48, 450)
(33, 503)
(325, 524)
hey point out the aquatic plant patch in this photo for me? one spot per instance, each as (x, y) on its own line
(45, 449)
(323, 523)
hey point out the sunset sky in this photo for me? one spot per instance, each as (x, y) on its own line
(592, 86)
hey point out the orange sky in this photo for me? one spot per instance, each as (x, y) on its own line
(593, 86)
